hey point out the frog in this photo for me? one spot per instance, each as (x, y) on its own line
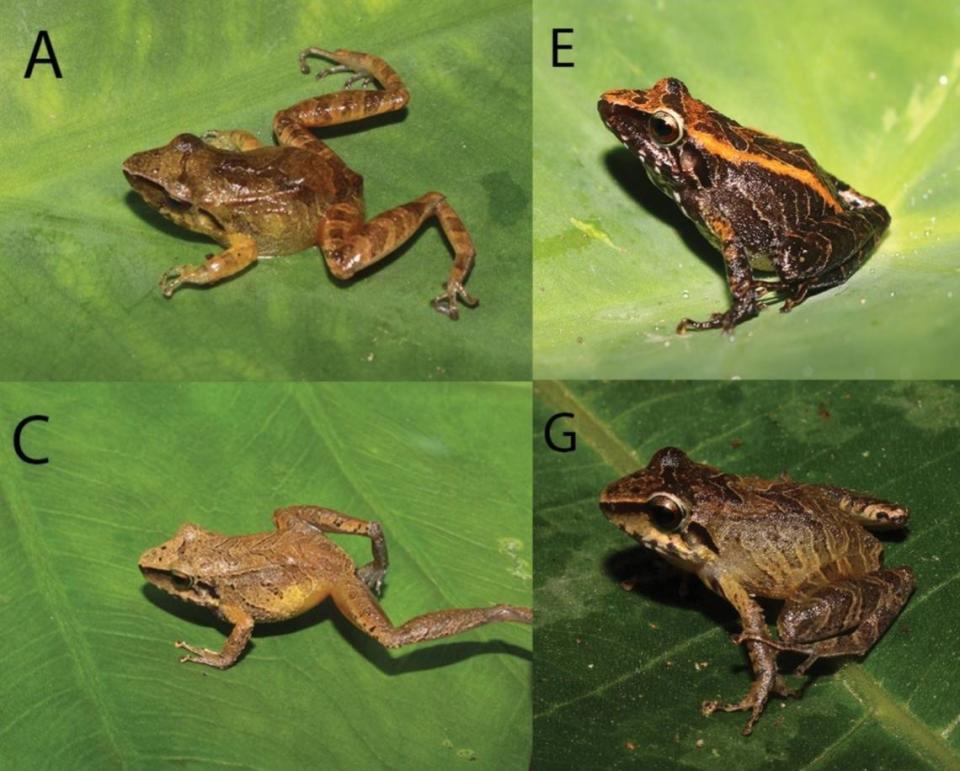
(806, 545)
(784, 225)
(274, 576)
(260, 200)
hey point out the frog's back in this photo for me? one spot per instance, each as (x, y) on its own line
(760, 174)
(276, 195)
(781, 542)
(280, 575)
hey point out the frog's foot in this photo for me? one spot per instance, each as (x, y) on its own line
(446, 303)
(725, 321)
(754, 701)
(173, 280)
(372, 576)
(809, 650)
(202, 656)
(779, 645)
(357, 75)
(799, 294)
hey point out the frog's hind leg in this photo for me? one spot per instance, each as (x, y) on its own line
(349, 244)
(357, 603)
(833, 248)
(845, 618)
(238, 256)
(292, 125)
(330, 521)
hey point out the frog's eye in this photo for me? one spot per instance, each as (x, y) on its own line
(182, 581)
(666, 512)
(666, 127)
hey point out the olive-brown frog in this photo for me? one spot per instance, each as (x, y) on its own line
(766, 204)
(264, 200)
(746, 537)
(267, 577)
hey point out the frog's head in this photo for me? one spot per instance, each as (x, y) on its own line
(162, 175)
(652, 125)
(175, 566)
(655, 505)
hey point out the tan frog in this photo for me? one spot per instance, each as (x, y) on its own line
(268, 577)
(262, 200)
(746, 537)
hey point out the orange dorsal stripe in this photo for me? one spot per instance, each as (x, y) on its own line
(723, 150)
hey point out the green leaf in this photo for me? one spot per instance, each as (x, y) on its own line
(617, 265)
(91, 677)
(619, 675)
(81, 255)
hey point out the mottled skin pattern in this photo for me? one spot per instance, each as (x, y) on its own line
(746, 537)
(764, 203)
(256, 200)
(267, 577)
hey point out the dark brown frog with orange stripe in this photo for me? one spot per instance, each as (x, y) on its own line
(764, 203)
(746, 537)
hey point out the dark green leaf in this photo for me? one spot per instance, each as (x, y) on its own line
(619, 675)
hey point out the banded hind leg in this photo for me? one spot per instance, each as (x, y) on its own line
(831, 249)
(844, 618)
(358, 604)
(348, 243)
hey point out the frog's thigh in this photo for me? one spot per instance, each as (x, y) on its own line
(825, 253)
(361, 608)
(349, 244)
(241, 253)
(846, 617)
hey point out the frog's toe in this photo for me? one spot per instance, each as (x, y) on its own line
(372, 577)
(320, 53)
(446, 303)
(171, 281)
(361, 77)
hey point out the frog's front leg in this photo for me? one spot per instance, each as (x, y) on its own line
(239, 255)
(763, 658)
(361, 608)
(740, 280)
(349, 244)
(844, 618)
(232, 648)
(330, 521)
